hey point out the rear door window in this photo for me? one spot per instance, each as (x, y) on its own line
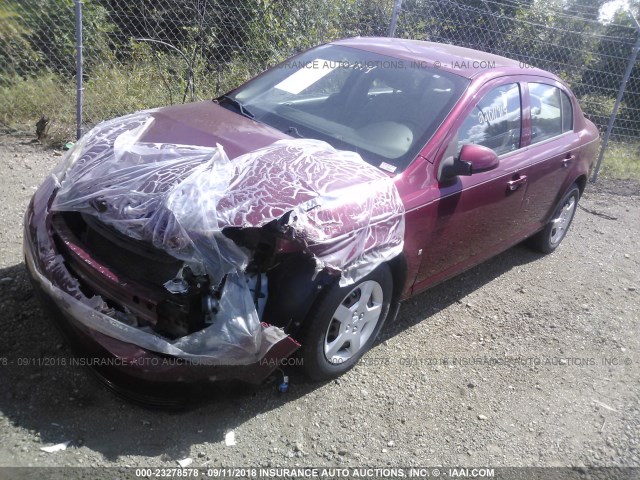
(551, 112)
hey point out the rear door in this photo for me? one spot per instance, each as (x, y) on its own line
(553, 148)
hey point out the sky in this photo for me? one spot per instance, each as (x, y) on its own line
(609, 9)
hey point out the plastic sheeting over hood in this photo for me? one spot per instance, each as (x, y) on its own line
(347, 215)
(180, 198)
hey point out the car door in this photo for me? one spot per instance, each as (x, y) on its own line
(552, 148)
(476, 216)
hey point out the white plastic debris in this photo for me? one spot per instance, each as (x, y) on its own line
(230, 438)
(185, 462)
(603, 405)
(55, 448)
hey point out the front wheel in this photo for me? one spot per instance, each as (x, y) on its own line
(549, 238)
(344, 323)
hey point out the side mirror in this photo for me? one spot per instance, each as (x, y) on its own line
(472, 159)
(480, 159)
(451, 167)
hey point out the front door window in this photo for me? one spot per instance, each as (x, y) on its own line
(495, 122)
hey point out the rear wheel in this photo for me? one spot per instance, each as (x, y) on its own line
(344, 323)
(549, 238)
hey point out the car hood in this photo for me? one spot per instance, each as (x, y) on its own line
(133, 175)
(207, 124)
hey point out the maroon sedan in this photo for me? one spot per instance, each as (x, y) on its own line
(286, 220)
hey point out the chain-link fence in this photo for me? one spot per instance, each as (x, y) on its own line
(37, 65)
(171, 51)
(146, 53)
(589, 55)
(569, 39)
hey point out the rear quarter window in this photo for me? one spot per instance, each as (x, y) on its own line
(567, 112)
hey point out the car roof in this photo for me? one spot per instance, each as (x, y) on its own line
(462, 61)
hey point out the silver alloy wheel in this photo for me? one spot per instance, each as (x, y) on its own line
(560, 224)
(353, 322)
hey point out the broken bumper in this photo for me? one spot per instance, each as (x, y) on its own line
(101, 341)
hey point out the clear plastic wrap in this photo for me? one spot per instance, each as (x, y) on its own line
(344, 212)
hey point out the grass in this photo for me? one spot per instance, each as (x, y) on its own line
(25, 100)
(110, 90)
(621, 161)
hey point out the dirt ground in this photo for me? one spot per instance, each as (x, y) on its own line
(526, 360)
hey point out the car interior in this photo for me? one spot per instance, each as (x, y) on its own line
(384, 113)
(380, 110)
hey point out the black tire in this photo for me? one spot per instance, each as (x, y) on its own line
(322, 324)
(550, 237)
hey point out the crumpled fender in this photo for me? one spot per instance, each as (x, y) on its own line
(345, 213)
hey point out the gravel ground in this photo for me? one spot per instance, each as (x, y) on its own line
(565, 392)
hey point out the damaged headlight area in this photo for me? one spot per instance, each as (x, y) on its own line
(172, 247)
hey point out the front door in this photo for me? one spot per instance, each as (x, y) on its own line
(475, 216)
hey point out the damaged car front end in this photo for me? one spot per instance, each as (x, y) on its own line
(173, 263)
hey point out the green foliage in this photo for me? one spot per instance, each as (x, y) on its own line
(23, 100)
(621, 160)
(14, 45)
(39, 35)
(597, 108)
(149, 80)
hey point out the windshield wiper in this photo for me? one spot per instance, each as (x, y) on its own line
(236, 104)
(293, 131)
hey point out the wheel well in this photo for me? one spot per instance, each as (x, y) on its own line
(294, 287)
(581, 181)
(290, 310)
(398, 267)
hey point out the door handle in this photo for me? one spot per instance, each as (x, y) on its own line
(517, 182)
(567, 161)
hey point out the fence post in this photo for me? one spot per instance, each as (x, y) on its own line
(79, 69)
(623, 85)
(397, 4)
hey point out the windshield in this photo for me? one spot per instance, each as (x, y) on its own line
(384, 108)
